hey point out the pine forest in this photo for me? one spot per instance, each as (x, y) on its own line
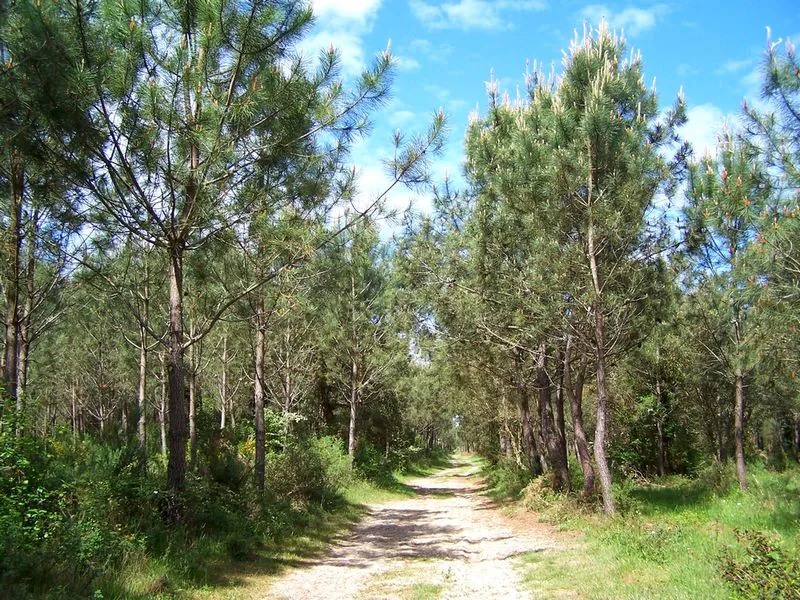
(220, 351)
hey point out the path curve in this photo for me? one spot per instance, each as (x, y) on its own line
(448, 541)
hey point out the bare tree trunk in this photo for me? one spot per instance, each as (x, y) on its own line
(286, 385)
(142, 386)
(176, 465)
(26, 332)
(602, 390)
(124, 415)
(192, 376)
(223, 383)
(661, 416)
(506, 437)
(73, 398)
(561, 428)
(351, 432)
(528, 435)
(741, 471)
(162, 406)
(556, 458)
(503, 439)
(354, 391)
(12, 251)
(602, 404)
(259, 392)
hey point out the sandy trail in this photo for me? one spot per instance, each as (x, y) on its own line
(448, 541)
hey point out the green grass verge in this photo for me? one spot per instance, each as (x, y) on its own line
(669, 541)
(217, 567)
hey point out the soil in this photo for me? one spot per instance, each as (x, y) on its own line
(448, 541)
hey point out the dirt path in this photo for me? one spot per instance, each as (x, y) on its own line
(448, 541)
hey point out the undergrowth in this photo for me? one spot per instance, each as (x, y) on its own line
(81, 519)
(678, 537)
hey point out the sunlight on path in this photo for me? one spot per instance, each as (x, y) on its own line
(446, 542)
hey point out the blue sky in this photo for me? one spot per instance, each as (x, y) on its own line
(446, 50)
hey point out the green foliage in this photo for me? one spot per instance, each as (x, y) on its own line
(63, 524)
(761, 568)
(506, 479)
(675, 538)
(716, 478)
(314, 470)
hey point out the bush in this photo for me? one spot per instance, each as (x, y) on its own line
(507, 479)
(312, 470)
(717, 477)
(760, 568)
(374, 465)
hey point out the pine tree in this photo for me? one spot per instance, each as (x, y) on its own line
(725, 199)
(183, 103)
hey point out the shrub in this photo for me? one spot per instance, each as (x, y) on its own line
(717, 477)
(760, 568)
(311, 470)
(507, 479)
(372, 464)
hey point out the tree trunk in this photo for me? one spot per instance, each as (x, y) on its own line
(12, 251)
(602, 392)
(511, 447)
(739, 429)
(556, 458)
(26, 322)
(259, 393)
(351, 433)
(123, 425)
(141, 398)
(354, 391)
(528, 435)
(661, 417)
(602, 404)
(176, 464)
(505, 444)
(574, 392)
(286, 385)
(73, 399)
(162, 406)
(561, 429)
(142, 386)
(192, 376)
(223, 383)
(258, 405)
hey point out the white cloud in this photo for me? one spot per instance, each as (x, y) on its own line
(359, 11)
(753, 81)
(401, 117)
(471, 14)
(445, 98)
(436, 53)
(405, 63)
(348, 45)
(734, 66)
(632, 20)
(342, 25)
(685, 69)
(704, 125)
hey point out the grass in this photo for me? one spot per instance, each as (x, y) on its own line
(204, 568)
(669, 539)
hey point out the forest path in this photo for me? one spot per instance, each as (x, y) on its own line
(448, 541)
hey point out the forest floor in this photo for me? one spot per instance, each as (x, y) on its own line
(446, 541)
